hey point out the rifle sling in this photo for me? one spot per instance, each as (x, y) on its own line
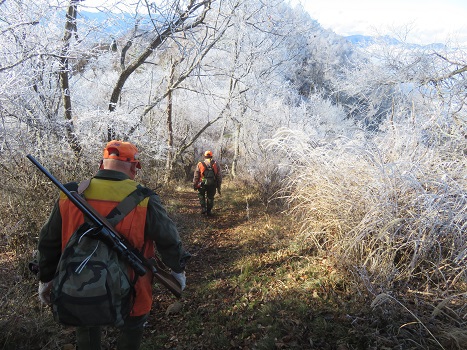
(127, 205)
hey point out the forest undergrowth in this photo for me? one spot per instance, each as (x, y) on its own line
(253, 283)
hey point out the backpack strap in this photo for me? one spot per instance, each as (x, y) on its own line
(128, 204)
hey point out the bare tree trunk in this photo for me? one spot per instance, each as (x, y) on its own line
(233, 171)
(70, 27)
(170, 137)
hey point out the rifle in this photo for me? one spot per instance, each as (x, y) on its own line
(115, 240)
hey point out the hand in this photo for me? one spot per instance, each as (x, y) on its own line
(44, 292)
(181, 278)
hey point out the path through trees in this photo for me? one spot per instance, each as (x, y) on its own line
(246, 284)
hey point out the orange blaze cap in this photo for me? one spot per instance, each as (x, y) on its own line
(127, 152)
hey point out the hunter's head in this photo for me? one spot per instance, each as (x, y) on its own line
(121, 156)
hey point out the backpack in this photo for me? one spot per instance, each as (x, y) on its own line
(91, 286)
(209, 176)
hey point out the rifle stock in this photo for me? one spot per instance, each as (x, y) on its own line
(110, 236)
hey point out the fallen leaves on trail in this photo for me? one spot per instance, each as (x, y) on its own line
(249, 284)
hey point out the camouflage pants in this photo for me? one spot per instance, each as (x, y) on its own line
(206, 198)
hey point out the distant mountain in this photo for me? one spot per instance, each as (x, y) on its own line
(364, 41)
(112, 24)
(123, 21)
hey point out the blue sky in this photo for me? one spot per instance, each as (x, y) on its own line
(414, 21)
(419, 21)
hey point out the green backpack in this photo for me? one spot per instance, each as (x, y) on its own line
(91, 286)
(209, 177)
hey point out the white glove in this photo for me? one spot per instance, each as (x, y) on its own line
(44, 292)
(181, 278)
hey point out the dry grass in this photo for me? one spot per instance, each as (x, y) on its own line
(26, 201)
(393, 211)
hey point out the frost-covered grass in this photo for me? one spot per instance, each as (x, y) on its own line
(391, 208)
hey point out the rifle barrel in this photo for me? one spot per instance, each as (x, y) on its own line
(117, 241)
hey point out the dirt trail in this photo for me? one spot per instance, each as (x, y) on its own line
(246, 285)
(214, 247)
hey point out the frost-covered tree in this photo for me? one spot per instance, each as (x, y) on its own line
(29, 93)
(251, 66)
(62, 47)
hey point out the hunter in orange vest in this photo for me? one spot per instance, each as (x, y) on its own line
(145, 225)
(206, 179)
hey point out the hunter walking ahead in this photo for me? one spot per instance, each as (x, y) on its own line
(207, 178)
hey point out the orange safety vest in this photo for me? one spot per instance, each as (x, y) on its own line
(103, 195)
